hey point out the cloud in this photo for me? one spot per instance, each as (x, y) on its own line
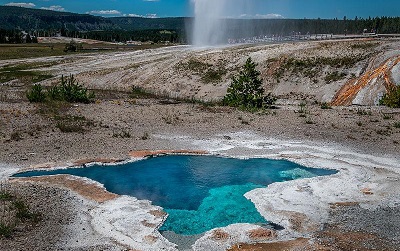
(151, 15)
(54, 7)
(262, 16)
(104, 12)
(145, 16)
(25, 5)
(132, 15)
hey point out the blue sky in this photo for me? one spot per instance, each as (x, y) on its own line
(255, 8)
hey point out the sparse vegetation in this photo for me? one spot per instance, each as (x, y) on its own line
(364, 46)
(213, 76)
(208, 73)
(16, 136)
(13, 211)
(122, 134)
(71, 124)
(397, 125)
(302, 109)
(145, 136)
(387, 116)
(334, 76)
(36, 94)
(311, 67)
(170, 119)
(384, 132)
(24, 72)
(139, 92)
(363, 112)
(392, 98)
(246, 91)
(69, 90)
(309, 121)
(325, 106)
(73, 46)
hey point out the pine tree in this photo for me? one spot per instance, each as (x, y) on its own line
(246, 90)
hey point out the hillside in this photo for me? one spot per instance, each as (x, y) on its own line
(139, 23)
(49, 23)
(35, 19)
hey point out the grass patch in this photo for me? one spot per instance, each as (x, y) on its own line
(16, 136)
(145, 136)
(139, 92)
(15, 51)
(122, 134)
(72, 124)
(213, 76)
(208, 73)
(325, 106)
(4, 196)
(386, 116)
(363, 112)
(302, 108)
(364, 46)
(68, 90)
(334, 76)
(23, 72)
(310, 67)
(13, 212)
(6, 230)
(309, 121)
(23, 212)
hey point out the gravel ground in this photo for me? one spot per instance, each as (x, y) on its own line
(63, 225)
(117, 124)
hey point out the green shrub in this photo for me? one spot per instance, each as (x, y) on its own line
(69, 90)
(246, 91)
(325, 106)
(392, 98)
(73, 92)
(36, 94)
(54, 93)
(72, 47)
(6, 230)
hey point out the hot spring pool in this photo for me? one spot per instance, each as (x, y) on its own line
(198, 192)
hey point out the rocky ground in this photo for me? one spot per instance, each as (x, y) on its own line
(118, 123)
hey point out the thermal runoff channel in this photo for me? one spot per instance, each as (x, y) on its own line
(198, 192)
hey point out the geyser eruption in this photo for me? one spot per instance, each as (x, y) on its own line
(210, 20)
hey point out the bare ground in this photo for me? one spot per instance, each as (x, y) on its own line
(117, 124)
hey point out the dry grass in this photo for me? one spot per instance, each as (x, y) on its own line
(15, 51)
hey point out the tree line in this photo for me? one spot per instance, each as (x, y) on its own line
(174, 30)
(16, 37)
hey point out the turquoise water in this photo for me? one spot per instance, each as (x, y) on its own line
(198, 192)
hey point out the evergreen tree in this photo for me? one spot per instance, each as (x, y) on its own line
(246, 90)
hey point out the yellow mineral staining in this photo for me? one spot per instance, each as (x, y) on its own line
(349, 91)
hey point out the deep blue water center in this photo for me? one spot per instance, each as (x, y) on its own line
(198, 192)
